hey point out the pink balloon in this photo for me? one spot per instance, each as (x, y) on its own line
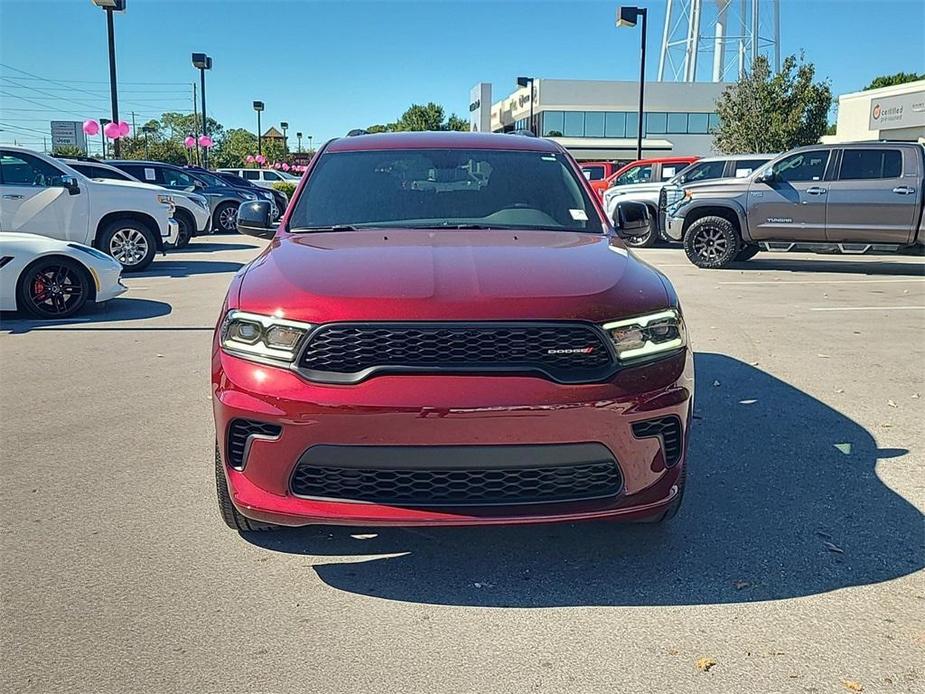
(260, 159)
(91, 127)
(205, 141)
(249, 158)
(124, 128)
(112, 131)
(285, 166)
(189, 142)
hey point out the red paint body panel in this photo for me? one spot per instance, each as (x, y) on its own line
(418, 275)
(601, 186)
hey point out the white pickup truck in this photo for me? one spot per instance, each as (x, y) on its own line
(41, 195)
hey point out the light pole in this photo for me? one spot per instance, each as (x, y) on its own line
(627, 17)
(203, 62)
(146, 129)
(258, 107)
(110, 6)
(524, 82)
(299, 136)
(285, 126)
(103, 123)
(310, 148)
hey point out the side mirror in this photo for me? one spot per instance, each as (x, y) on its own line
(632, 220)
(767, 176)
(70, 183)
(254, 219)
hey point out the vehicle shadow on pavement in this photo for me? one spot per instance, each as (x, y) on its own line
(186, 268)
(782, 501)
(119, 309)
(848, 267)
(207, 247)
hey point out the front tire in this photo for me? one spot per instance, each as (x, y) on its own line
(130, 242)
(712, 242)
(187, 228)
(226, 217)
(53, 287)
(232, 517)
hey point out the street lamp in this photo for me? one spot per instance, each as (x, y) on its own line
(258, 107)
(111, 6)
(523, 82)
(285, 126)
(310, 144)
(146, 129)
(627, 17)
(299, 136)
(203, 63)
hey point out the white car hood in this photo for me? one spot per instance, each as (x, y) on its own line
(130, 184)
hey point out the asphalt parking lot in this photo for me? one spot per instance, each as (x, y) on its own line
(795, 565)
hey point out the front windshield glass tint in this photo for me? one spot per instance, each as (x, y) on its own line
(433, 188)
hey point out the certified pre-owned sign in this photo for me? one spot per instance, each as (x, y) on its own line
(900, 111)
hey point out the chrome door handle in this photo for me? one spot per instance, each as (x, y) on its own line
(10, 196)
(815, 190)
(904, 190)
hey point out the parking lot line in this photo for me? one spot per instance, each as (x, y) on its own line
(885, 281)
(870, 308)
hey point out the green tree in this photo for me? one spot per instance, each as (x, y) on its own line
(379, 128)
(454, 122)
(418, 117)
(890, 80)
(176, 126)
(67, 151)
(767, 112)
(231, 149)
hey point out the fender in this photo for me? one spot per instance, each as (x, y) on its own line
(719, 203)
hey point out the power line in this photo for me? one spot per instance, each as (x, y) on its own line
(22, 127)
(46, 79)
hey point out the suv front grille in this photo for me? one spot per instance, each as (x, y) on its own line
(668, 431)
(459, 487)
(564, 352)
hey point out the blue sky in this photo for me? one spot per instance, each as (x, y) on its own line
(326, 67)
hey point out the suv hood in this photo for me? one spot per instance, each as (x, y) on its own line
(718, 184)
(414, 275)
(130, 184)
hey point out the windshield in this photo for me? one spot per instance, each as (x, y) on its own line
(433, 188)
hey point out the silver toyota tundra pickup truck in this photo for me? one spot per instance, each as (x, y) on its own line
(849, 197)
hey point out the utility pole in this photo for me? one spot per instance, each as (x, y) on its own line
(195, 124)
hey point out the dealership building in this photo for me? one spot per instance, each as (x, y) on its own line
(599, 119)
(888, 113)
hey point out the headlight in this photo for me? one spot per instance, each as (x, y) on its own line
(648, 336)
(262, 338)
(248, 196)
(167, 200)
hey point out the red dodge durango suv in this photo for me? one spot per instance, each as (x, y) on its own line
(446, 329)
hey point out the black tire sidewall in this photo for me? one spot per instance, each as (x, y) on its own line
(728, 230)
(187, 228)
(24, 303)
(113, 227)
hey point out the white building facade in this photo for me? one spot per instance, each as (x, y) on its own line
(889, 113)
(599, 119)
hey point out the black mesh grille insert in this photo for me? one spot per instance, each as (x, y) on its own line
(570, 353)
(668, 430)
(239, 431)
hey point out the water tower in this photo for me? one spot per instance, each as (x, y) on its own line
(726, 35)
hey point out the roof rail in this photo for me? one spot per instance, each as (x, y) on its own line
(357, 131)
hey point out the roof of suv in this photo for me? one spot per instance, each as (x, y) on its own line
(736, 157)
(441, 140)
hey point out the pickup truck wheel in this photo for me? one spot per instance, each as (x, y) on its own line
(711, 242)
(130, 242)
(187, 228)
(747, 252)
(233, 519)
(226, 217)
(53, 287)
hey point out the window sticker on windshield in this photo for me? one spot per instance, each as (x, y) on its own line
(579, 215)
(548, 157)
(149, 174)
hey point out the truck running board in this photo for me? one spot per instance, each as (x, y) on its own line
(823, 247)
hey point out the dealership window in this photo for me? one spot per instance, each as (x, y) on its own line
(574, 124)
(632, 124)
(714, 121)
(656, 123)
(594, 124)
(553, 123)
(615, 124)
(698, 123)
(677, 123)
(859, 164)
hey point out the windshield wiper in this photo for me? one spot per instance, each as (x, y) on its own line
(332, 227)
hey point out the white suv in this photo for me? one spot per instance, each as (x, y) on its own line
(41, 195)
(265, 178)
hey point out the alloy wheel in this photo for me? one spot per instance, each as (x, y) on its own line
(710, 243)
(128, 246)
(228, 218)
(55, 289)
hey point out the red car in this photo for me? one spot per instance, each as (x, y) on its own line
(640, 171)
(446, 330)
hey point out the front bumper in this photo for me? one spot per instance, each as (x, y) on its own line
(674, 227)
(202, 216)
(395, 412)
(170, 233)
